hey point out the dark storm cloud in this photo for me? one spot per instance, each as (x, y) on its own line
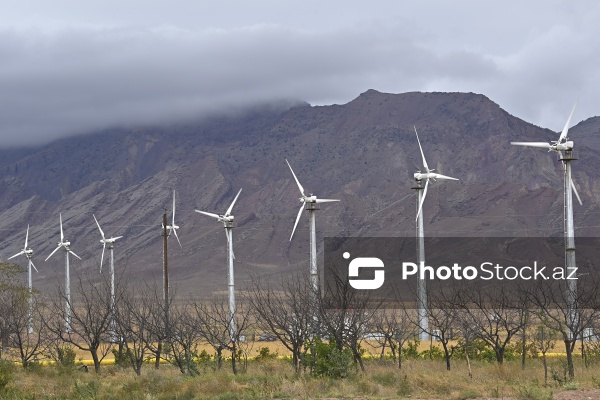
(70, 69)
(76, 80)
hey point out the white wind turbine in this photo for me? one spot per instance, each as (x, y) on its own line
(28, 254)
(66, 247)
(563, 144)
(310, 202)
(421, 285)
(227, 220)
(173, 227)
(111, 245)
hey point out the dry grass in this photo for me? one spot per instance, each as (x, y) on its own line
(276, 379)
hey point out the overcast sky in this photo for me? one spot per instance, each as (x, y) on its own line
(75, 66)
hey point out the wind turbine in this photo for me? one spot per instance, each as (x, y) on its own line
(422, 192)
(563, 144)
(66, 247)
(173, 227)
(28, 254)
(111, 245)
(227, 220)
(310, 204)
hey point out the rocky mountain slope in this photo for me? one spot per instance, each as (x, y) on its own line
(363, 153)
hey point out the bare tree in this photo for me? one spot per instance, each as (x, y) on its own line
(346, 313)
(134, 315)
(285, 312)
(394, 328)
(443, 319)
(567, 312)
(9, 278)
(184, 338)
(28, 344)
(498, 313)
(214, 324)
(543, 342)
(157, 323)
(468, 333)
(90, 318)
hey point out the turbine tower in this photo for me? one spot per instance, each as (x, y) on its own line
(563, 144)
(111, 245)
(28, 254)
(423, 320)
(309, 203)
(227, 220)
(66, 247)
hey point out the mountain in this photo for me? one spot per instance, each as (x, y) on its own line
(363, 153)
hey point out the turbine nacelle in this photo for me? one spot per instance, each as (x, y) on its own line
(309, 199)
(226, 218)
(172, 227)
(567, 145)
(111, 240)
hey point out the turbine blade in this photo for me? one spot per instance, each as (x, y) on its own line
(18, 254)
(573, 188)
(102, 258)
(174, 209)
(115, 238)
(297, 219)
(423, 198)
(296, 179)
(227, 233)
(177, 237)
(231, 206)
(420, 148)
(100, 229)
(532, 144)
(440, 176)
(71, 251)
(62, 236)
(207, 213)
(26, 238)
(36, 270)
(59, 246)
(565, 130)
(575, 191)
(325, 200)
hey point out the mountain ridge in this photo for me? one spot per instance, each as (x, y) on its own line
(363, 152)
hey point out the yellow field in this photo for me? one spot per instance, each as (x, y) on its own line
(252, 349)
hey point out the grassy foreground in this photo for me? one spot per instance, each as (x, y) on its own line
(276, 379)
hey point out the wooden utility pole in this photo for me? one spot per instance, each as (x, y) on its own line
(166, 272)
(166, 332)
